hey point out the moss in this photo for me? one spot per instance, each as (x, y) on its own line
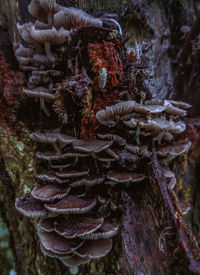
(18, 155)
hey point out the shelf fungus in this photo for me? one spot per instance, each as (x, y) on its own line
(73, 62)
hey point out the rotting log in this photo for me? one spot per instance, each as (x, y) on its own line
(154, 239)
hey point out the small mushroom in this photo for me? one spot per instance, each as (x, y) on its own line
(72, 173)
(124, 176)
(88, 181)
(52, 138)
(71, 205)
(76, 227)
(173, 149)
(53, 254)
(106, 231)
(75, 261)
(49, 192)
(51, 177)
(94, 248)
(47, 225)
(40, 92)
(157, 124)
(115, 138)
(30, 207)
(72, 18)
(58, 244)
(68, 153)
(141, 150)
(173, 110)
(170, 177)
(91, 145)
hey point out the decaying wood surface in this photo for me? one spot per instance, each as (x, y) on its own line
(154, 238)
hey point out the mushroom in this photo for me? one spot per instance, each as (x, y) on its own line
(173, 150)
(157, 125)
(72, 173)
(141, 150)
(170, 177)
(106, 231)
(51, 177)
(52, 138)
(30, 207)
(88, 181)
(69, 153)
(58, 244)
(76, 227)
(40, 92)
(53, 254)
(75, 261)
(91, 145)
(71, 205)
(49, 192)
(115, 138)
(94, 248)
(72, 18)
(124, 176)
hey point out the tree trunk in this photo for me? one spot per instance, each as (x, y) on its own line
(154, 238)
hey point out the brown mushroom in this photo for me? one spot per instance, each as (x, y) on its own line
(71, 205)
(30, 207)
(72, 173)
(58, 244)
(40, 92)
(69, 153)
(88, 181)
(51, 177)
(49, 192)
(76, 227)
(124, 176)
(173, 149)
(91, 145)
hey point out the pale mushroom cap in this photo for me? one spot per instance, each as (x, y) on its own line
(174, 149)
(72, 173)
(91, 146)
(30, 207)
(141, 150)
(115, 138)
(94, 248)
(75, 261)
(53, 254)
(40, 8)
(72, 18)
(52, 35)
(51, 177)
(124, 176)
(87, 181)
(71, 205)
(157, 124)
(107, 231)
(49, 192)
(75, 227)
(57, 156)
(58, 244)
(51, 138)
(39, 92)
(24, 31)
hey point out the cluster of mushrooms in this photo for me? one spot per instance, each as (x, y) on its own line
(73, 200)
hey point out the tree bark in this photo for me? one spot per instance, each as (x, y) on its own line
(154, 238)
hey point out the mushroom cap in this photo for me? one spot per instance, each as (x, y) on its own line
(170, 176)
(52, 138)
(157, 124)
(75, 227)
(94, 248)
(39, 92)
(30, 207)
(68, 153)
(73, 18)
(112, 114)
(106, 231)
(180, 104)
(91, 145)
(40, 8)
(87, 181)
(53, 254)
(24, 31)
(115, 138)
(53, 36)
(75, 260)
(22, 51)
(49, 192)
(141, 150)
(124, 176)
(71, 205)
(47, 225)
(51, 177)
(72, 173)
(58, 244)
(174, 149)
(173, 110)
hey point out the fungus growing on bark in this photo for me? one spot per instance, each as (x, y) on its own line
(71, 205)
(30, 207)
(58, 244)
(88, 181)
(91, 146)
(72, 173)
(51, 177)
(49, 192)
(124, 176)
(174, 149)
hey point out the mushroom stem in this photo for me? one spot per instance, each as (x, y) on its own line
(43, 107)
(73, 270)
(159, 137)
(55, 146)
(137, 136)
(47, 47)
(75, 161)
